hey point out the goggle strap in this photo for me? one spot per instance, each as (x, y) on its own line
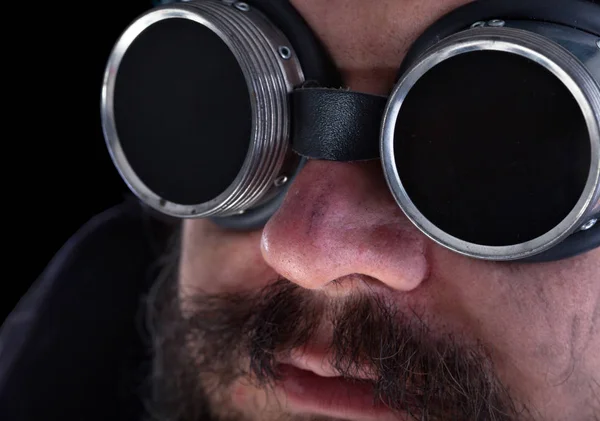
(336, 124)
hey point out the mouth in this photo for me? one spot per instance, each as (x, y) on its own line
(318, 363)
(309, 386)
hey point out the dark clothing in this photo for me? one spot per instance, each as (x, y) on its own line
(75, 346)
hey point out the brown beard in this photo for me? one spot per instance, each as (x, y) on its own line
(199, 353)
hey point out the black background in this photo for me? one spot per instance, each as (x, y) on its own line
(56, 167)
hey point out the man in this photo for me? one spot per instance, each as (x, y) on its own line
(340, 286)
(341, 309)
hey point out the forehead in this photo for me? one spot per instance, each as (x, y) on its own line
(376, 37)
(368, 44)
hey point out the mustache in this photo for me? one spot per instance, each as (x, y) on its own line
(206, 342)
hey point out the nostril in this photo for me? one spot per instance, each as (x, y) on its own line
(355, 283)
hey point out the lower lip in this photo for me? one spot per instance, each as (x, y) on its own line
(337, 397)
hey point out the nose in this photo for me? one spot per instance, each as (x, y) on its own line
(338, 221)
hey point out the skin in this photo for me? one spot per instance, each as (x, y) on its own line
(340, 231)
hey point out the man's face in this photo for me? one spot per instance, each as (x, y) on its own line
(341, 309)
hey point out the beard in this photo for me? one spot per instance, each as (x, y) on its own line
(204, 343)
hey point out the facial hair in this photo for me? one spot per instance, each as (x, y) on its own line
(204, 343)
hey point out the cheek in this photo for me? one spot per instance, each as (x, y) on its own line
(533, 319)
(217, 261)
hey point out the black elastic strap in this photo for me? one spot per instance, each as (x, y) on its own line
(336, 125)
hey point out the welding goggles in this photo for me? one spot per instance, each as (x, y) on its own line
(489, 140)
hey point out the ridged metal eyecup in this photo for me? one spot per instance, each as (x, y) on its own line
(573, 72)
(269, 76)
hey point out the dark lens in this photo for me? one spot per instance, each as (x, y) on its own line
(492, 148)
(182, 111)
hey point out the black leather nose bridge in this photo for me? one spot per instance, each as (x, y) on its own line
(336, 125)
